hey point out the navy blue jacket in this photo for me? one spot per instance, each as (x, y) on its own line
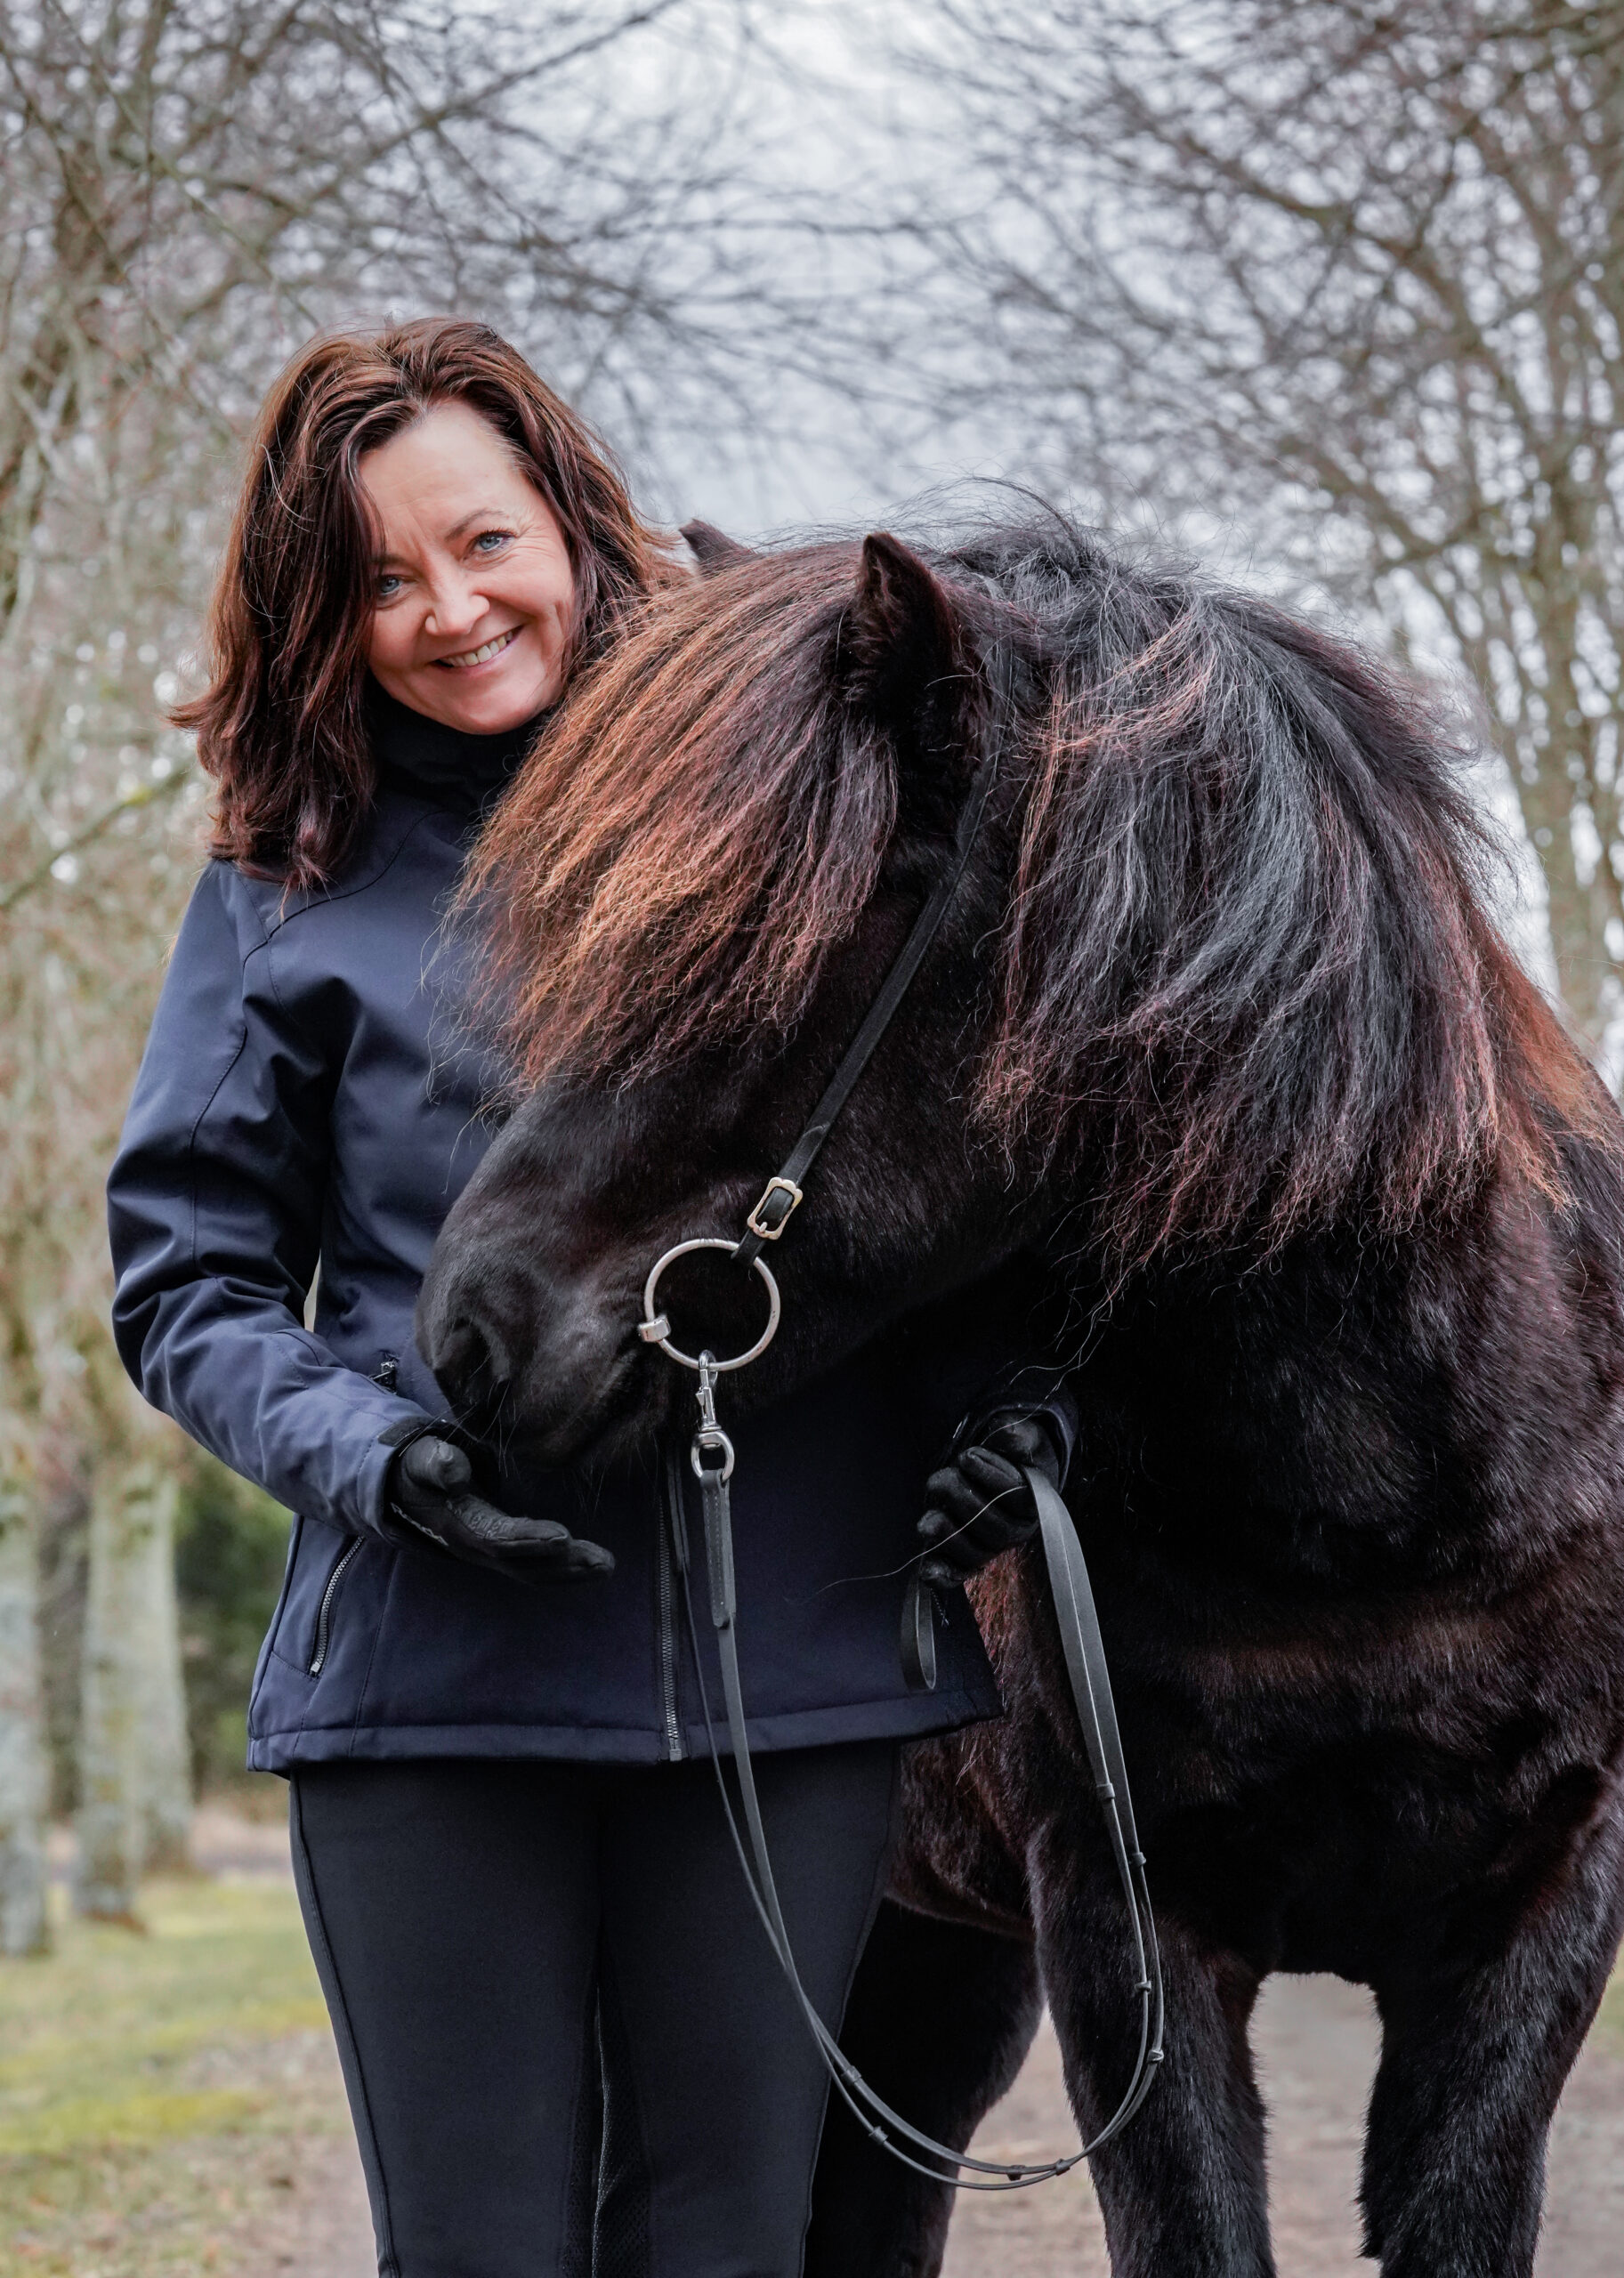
(295, 1105)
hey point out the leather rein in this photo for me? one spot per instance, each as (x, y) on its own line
(711, 1457)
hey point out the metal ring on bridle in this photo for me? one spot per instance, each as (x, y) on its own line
(654, 1329)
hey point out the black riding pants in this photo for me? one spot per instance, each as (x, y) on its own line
(568, 2050)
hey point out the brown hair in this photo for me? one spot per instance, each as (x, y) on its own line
(281, 726)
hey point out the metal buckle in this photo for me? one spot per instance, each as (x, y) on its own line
(754, 1222)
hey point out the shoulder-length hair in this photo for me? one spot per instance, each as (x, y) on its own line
(281, 726)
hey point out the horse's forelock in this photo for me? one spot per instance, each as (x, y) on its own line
(702, 822)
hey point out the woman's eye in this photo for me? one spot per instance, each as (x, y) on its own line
(388, 585)
(492, 541)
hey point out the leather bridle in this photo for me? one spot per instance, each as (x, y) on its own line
(712, 1456)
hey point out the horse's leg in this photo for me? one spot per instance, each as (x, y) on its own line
(940, 2018)
(1182, 2187)
(1472, 2066)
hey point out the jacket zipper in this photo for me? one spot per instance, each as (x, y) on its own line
(324, 1611)
(670, 1525)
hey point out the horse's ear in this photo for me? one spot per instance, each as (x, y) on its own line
(900, 637)
(713, 549)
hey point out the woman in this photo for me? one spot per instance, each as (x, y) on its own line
(563, 2035)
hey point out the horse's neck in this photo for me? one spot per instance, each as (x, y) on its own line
(1300, 1419)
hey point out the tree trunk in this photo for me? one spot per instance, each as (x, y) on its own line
(1578, 942)
(165, 1751)
(24, 1924)
(134, 1805)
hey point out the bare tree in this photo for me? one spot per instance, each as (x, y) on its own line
(1350, 277)
(186, 187)
(135, 1804)
(24, 1927)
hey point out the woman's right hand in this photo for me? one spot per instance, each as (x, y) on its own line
(431, 1490)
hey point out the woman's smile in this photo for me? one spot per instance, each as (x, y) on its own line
(473, 603)
(495, 647)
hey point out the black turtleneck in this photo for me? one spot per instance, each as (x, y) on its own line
(464, 774)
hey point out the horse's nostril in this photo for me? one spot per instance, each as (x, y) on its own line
(473, 1359)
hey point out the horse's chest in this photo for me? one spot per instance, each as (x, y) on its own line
(1276, 1714)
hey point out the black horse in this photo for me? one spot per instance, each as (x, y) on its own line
(1217, 1030)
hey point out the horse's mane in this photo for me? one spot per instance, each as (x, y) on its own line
(1245, 982)
(702, 822)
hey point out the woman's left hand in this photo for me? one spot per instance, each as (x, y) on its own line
(980, 1504)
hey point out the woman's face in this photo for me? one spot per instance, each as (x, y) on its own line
(475, 593)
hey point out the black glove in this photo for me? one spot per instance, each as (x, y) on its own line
(429, 1490)
(980, 1505)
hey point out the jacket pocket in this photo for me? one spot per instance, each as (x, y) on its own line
(303, 1634)
(323, 1611)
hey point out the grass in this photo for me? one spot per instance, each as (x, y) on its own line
(156, 2089)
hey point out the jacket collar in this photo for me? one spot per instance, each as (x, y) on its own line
(461, 773)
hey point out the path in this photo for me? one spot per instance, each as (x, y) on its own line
(1316, 2044)
(1316, 2048)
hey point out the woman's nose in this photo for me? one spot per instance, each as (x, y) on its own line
(456, 606)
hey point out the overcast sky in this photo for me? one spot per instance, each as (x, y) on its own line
(840, 141)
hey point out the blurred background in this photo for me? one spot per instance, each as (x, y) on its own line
(1331, 297)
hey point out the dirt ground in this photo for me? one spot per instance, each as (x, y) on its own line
(1317, 2046)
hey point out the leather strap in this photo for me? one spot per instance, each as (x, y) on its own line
(1084, 1647)
(1085, 1658)
(1073, 1600)
(782, 1194)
